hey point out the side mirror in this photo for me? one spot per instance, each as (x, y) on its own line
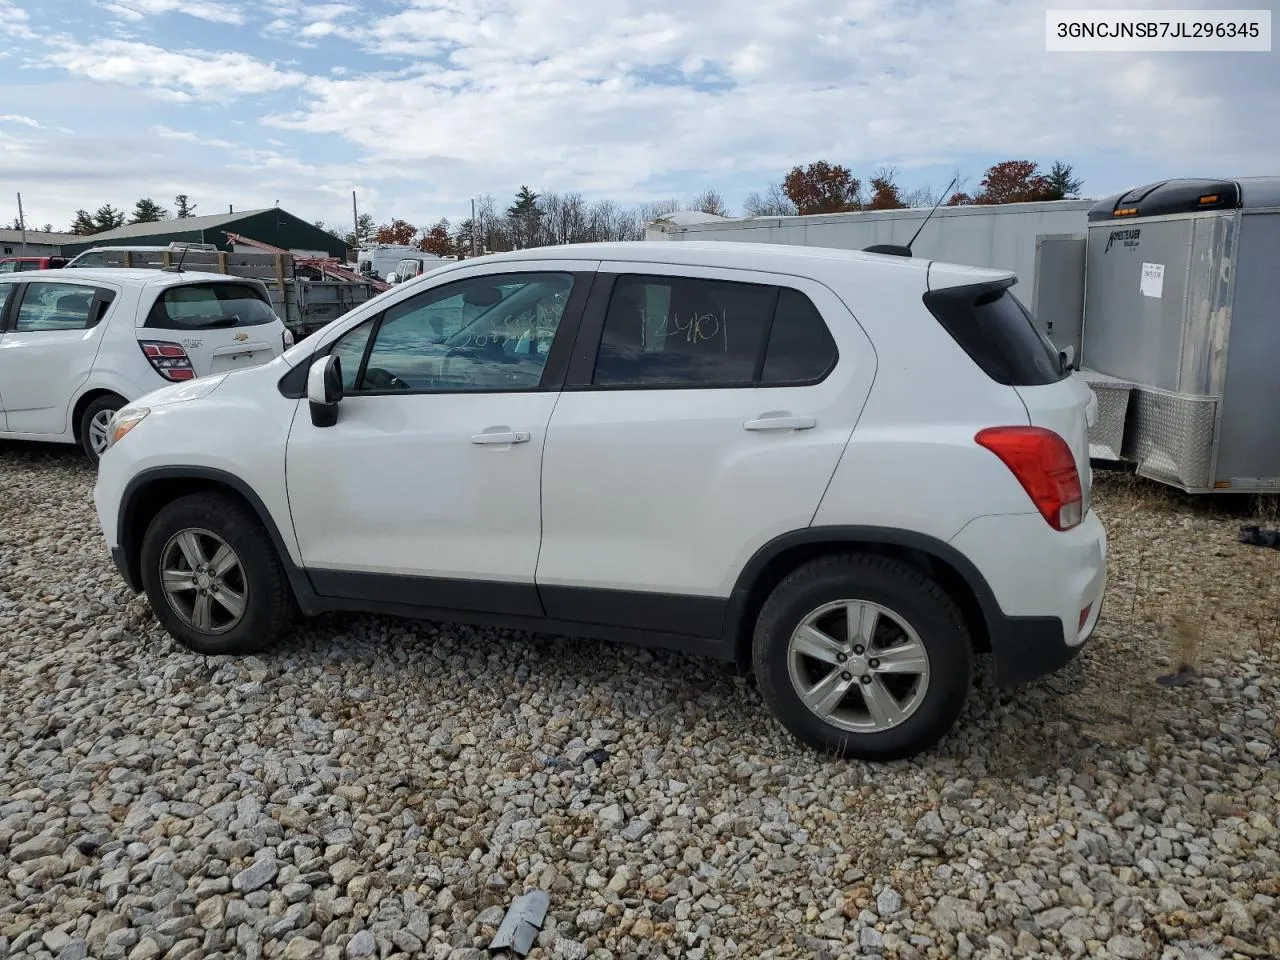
(393, 278)
(1067, 357)
(324, 390)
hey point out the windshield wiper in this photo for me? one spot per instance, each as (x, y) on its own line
(215, 323)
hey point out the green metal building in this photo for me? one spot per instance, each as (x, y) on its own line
(272, 225)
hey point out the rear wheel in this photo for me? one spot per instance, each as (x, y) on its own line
(863, 656)
(95, 422)
(213, 577)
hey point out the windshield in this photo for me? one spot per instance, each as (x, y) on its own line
(998, 333)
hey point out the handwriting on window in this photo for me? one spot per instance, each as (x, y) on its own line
(657, 327)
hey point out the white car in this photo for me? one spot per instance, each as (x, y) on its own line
(845, 473)
(76, 345)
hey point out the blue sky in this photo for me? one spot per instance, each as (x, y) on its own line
(418, 105)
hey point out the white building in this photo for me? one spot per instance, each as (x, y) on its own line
(38, 244)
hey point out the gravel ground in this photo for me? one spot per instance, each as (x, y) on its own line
(383, 788)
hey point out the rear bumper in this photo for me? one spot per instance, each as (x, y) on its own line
(1040, 581)
(1027, 648)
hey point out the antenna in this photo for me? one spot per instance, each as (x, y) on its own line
(892, 248)
(933, 211)
(177, 268)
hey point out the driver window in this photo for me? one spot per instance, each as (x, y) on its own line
(489, 333)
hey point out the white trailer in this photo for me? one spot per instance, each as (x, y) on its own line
(1003, 236)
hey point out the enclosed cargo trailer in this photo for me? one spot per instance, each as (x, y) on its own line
(1182, 300)
(1002, 236)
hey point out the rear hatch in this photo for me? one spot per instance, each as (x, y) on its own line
(219, 325)
(998, 333)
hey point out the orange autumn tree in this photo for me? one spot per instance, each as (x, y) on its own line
(822, 187)
(399, 232)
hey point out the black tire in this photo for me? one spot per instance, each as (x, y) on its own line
(268, 600)
(105, 404)
(911, 596)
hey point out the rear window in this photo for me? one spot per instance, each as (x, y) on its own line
(993, 327)
(207, 306)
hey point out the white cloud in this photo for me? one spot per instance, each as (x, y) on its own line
(305, 23)
(521, 91)
(214, 11)
(173, 74)
(18, 118)
(14, 21)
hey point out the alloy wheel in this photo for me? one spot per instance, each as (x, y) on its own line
(203, 581)
(858, 666)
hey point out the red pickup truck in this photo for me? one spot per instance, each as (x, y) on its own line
(22, 264)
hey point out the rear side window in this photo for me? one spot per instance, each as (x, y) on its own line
(208, 306)
(800, 345)
(59, 306)
(993, 327)
(5, 290)
(663, 331)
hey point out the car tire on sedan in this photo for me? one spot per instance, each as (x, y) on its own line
(95, 422)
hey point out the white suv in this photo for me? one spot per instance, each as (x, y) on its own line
(76, 345)
(846, 473)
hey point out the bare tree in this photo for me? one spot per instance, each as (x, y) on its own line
(710, 201)
(774, 203)
(657, 209)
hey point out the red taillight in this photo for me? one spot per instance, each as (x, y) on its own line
(1044, 465)
(1084, 617)
(168, 359)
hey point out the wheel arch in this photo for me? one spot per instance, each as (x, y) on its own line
(82, 403)
(149, 492)
(771, 563)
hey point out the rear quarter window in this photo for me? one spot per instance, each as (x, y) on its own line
(993, 327)
(206, 306)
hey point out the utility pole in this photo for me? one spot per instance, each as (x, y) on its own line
(355, 224)
(473, 226)
(22, 225)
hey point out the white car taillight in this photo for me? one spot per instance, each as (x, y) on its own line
(168, 359)
(1044, 465)
(288, 338)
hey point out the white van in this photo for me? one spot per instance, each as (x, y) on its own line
(77, 345)
(381, 260)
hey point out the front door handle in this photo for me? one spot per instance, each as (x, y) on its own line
(511, 436)
(781, 423)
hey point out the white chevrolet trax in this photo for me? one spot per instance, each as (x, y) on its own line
(846, 473)
(76, 345)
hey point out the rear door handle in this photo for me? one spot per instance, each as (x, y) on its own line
(781, 423)
(516, 436)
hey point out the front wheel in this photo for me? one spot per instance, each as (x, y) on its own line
(95, 423)
(863, 656)
(213, 577)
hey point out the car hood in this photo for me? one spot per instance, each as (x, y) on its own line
(196, 389)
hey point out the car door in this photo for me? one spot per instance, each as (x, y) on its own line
(6, 290)
(52, 333)
(426, 489)
(706, 424)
